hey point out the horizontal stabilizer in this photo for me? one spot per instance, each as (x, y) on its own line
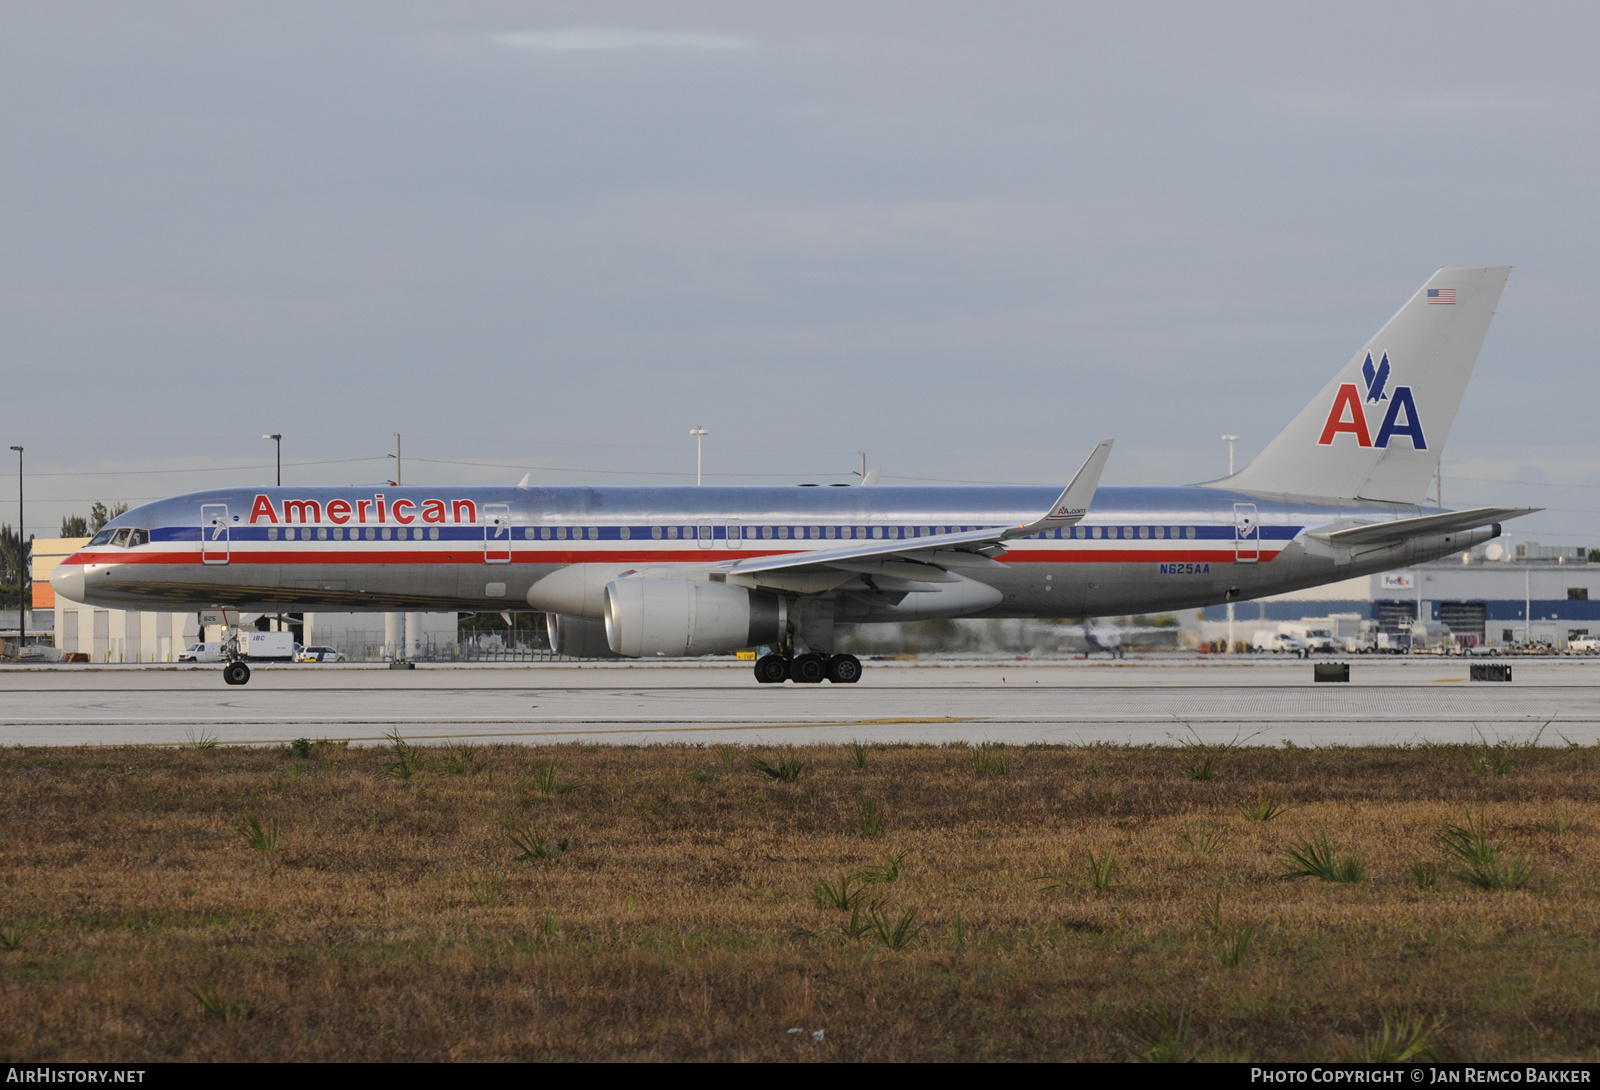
(1450, 522)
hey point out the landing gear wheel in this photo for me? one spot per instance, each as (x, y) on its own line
(236, 673)
(808, 669)
(844, 669)
(772, 669)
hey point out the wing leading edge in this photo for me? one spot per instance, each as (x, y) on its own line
(970, 548)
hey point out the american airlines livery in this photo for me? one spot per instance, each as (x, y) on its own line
(698, 571)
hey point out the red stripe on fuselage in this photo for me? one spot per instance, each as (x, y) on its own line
(476, 556)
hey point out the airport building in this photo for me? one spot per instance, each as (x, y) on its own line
(1501, 593)
(116, 635)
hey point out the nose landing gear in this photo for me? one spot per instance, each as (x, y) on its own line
(236, 673)
(808, 669)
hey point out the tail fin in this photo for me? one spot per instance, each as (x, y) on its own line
(1375, 432)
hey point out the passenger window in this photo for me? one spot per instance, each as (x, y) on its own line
(625, 533)
(272, 533)
(1094, 531)
(594, 533)
(561, 532)
(672, 531)
(433, 533)
(386, 533)
(783, 531)
(1144, 532)
(655, 532)
(371, 533)
(322, 533)
(1188, 531)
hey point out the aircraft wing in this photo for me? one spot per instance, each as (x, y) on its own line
(925, 557)
(1450, 522)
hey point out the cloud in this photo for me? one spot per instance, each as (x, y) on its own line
(592, 39)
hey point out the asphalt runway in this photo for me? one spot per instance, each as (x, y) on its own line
(1167, 701)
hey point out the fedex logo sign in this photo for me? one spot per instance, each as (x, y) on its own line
(1348, 414)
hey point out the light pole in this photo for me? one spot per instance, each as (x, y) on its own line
(699, 432)
(22, 552)
(1230, 440)
(277, 437)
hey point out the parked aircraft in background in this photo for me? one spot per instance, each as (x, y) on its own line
(696, 571)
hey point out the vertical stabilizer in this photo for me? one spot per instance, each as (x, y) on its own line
(1376, 431)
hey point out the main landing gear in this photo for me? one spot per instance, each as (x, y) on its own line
(236, 673)
(808, 669)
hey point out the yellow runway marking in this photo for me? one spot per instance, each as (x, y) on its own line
(611, 730)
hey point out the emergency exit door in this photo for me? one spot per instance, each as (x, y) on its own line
(1246, 534)
(497, 533)
(214, 533)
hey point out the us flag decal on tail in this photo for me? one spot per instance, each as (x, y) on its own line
(1441, 297)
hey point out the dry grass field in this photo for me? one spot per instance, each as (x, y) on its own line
(887, 902)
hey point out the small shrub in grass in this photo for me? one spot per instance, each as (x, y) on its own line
(1207, 840)
(531, 845)
(991, 759)
(858, 753)
(844, 897)
(1316, 859)
(725, 755)
(460, 759)
(1480, 861)
(1160, 1036)
(1200, 767)
(882, 873)
(1405, 1037)
(261, 837)
(407, 761)
(9, 940)
(199, 742)
(217, 1007)
(1237, 946)
(786, 769)
(893, 932)
(1101, 870)
(869, 818)
(1264, 807)
(487, 885)
(547, 780)
(1426, 875)
(301, 748)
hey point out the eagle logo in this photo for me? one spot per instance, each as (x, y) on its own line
(1377, 378)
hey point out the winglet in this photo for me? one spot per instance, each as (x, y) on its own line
(1073, 503)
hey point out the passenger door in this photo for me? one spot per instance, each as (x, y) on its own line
(214, 537)
(1246, 534)
(497, 533)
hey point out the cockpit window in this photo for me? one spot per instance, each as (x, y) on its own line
(101, 538)
(139, 537)
(121, 536)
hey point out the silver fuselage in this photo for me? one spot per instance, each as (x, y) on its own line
(1139, 550)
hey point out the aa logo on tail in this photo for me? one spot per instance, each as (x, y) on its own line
(1348, 416)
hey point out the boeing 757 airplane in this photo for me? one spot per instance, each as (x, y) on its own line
(640, 572)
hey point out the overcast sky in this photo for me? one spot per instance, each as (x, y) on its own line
(968, 239)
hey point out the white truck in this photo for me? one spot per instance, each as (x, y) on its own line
(268, 645)
(1266, 639)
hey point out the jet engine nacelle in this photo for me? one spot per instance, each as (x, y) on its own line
(577, 637)
(689, 617)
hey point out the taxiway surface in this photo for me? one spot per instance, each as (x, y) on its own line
(1151, 702)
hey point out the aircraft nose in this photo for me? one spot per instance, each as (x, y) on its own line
(67, 581)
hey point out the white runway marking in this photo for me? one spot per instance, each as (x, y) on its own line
(1153, 702)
